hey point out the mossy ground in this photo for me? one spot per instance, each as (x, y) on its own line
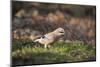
(59, 52)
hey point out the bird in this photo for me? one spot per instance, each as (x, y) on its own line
(51, 37)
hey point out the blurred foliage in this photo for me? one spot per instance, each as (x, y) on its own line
(31, 20)
(45, 8)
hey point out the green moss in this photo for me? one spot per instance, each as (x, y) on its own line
(59, 52)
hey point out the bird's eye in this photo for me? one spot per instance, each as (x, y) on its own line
(61, 32)
(43, 37)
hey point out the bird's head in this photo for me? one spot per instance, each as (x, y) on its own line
(60, 31)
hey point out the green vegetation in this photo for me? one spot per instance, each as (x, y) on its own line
(59, 52)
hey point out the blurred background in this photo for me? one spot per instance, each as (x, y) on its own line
(31, 20)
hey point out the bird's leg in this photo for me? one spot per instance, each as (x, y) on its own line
(45, 46)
